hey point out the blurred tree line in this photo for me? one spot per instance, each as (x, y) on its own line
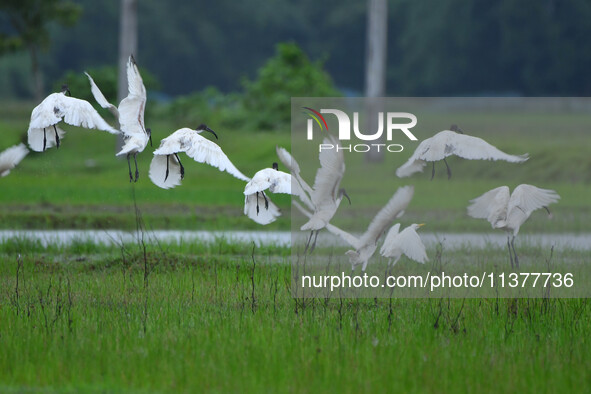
(25, 27)
(451, 47)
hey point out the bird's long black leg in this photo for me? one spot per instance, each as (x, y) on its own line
(308, 243)
(44, 140)
(257, 203)
(315, 239)
(137, 173)
(180, 164)
(510, 253)
(166, 175)
(57, 138)
(448, 169)
(129, 166)
(433, 171)
(514, 252)
(388, 271)
(266, 201)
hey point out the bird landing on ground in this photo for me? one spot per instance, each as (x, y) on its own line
(509, 211)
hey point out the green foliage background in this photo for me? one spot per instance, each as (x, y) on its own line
(452, 47)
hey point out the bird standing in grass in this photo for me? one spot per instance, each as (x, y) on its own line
(509, 211)
(44, 131)
(452, 142)
(130, 115)
(366, 245)
(166, 169)
(10, 157)
(326, 195)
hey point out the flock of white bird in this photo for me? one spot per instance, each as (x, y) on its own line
(318, 203)
(503, 210)
(166, 168)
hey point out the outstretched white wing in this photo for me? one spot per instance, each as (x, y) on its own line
(305, 191)
(80, 113)
(491, 206)
(474, 148)
(281, 183)
(414, 163)
(412, 245)
(269, 178)
(386, 248)
(100, 97)
(407, 242)
(528, 198)
(329, 175)
(10, 157)
(47, 112)
(447, 143)
(57, 107)
(387, 214)
(132, 107)
(195, 146)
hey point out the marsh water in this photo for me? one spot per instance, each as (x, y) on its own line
(580, 241)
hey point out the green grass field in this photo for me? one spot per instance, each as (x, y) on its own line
(221, 318)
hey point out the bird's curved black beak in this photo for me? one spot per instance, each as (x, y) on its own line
(344, 194)
(212, 132)
(66, 90)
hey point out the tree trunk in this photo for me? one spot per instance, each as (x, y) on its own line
(128, 33)
(37, 74)
(375, 71)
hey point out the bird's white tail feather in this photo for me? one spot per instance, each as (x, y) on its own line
(36, 136)
(265, 215)
(313, 224)
(158, 171)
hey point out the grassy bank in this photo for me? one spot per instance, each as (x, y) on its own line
(221, 317)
